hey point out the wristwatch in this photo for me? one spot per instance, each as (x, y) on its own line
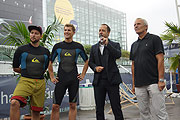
(161, 80)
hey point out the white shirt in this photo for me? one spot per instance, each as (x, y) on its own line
(101, 47)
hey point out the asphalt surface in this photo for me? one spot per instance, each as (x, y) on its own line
(130, 113)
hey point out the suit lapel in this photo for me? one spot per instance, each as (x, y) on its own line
(97, 53)
(107, 56)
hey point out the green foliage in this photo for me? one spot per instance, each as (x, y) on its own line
(7, 51)
(172, 33)
(125, 53)
(87, 48)
(174, 61)
(173, 28)
(17, 34)
(48, 35)
(168, 37)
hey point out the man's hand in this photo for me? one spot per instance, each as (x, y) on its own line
(54, 80)
(104, 40)
(99, 68)
(161, 85)
(80, 77)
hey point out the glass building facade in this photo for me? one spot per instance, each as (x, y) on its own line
(22, 10)
(89, 16)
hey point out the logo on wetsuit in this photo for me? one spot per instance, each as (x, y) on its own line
(67, 54)
(35, 60)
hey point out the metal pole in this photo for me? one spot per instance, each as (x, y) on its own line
(44, 9)
(177, 11)
(171, 82)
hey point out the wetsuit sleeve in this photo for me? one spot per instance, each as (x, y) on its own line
(83, 54)
(47, 60)
(54, 53)
(16, 58)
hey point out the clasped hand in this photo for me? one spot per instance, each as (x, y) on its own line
(99, 68)
(104, 41)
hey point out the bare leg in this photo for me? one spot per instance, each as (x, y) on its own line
(55, 112)
(15, 110)
(35, 115)
(72, 111)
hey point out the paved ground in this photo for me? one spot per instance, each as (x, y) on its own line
(130, 113)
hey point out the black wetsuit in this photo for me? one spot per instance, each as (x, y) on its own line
(33, 60)
(67, 72)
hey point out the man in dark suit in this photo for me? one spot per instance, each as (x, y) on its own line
(106, 73)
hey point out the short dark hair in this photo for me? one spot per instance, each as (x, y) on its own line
(70, 25)
(108, 28)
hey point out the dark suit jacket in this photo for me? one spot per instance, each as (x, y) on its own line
(114, 52)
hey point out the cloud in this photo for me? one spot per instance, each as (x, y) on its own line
(156, 12)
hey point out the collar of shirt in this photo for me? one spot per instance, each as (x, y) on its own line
(101, 47)
(145, 37)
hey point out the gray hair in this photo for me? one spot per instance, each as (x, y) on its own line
(145, 22)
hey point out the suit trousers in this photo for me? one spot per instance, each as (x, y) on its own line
(114, 97)
(151, 103)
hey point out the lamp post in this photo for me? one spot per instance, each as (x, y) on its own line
(177, 9)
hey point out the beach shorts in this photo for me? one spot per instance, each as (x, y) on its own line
(34, 88)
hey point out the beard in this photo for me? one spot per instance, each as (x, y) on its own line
(35, 41)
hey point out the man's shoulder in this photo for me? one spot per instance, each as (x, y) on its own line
(97, 44)
(23, 47)
(58, 45)
(153, 35)
(154, 38)
(43, 48)
(26, 45)
(113, 42)
(134, 44)
(77, 43)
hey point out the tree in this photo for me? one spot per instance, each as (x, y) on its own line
(173, 34)
(87, 48)
(125, 53)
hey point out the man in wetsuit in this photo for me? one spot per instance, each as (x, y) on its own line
(31, 61)
(67, 76)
